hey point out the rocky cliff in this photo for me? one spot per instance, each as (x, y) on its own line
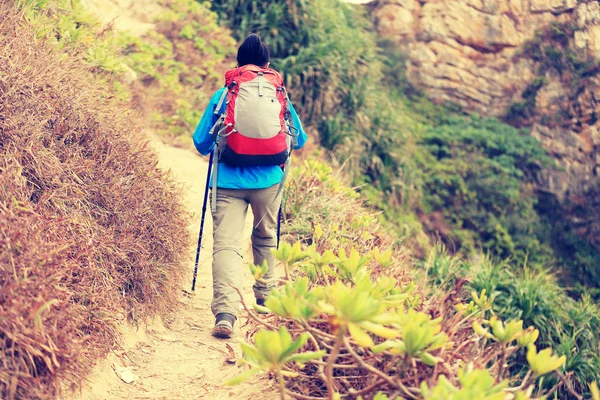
(532, 62)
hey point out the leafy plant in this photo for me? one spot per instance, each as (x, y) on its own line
(289, 255)
(543, 362)
(271, 352)
(420, 336)
(356, 320)
(473, 165)
(295, 301)
(475, 384)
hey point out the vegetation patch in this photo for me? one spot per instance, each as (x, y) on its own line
(179, 65)
(479, 173)
(534, 295)
(93, 233)
(350, 323)
(463, 179)
(552, 52)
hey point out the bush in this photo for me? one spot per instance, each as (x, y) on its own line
(536, 297)
(72, 29)
(477, 172)
(92, 231)
(281, 24)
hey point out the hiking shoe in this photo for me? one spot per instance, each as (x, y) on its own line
(224, 326)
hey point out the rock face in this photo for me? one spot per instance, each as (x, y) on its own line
(471, 53)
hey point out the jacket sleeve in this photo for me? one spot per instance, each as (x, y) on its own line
(203, 142)
(301, 139)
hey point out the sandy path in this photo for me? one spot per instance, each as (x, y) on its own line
(178, 359)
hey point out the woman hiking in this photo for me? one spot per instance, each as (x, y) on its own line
(256, 127)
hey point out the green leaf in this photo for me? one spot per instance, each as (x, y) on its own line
(242, 377)
(269, 346)
(379, 330)
(360, 336)
(251, 353)
(306, 356)
(543, 362)
(293, 347)
(261, 309)
(428, 359)
(381, 347)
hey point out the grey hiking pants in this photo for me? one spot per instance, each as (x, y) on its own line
(228, 228)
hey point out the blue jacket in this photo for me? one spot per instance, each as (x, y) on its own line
(229, 177)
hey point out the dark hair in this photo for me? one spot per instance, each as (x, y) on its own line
(253, 51)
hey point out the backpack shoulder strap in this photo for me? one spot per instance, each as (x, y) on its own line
(216, 149)
(221, 100)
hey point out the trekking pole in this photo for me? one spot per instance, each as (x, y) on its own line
(210, 164)
(279, 217)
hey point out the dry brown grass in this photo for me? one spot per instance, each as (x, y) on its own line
(91, 232)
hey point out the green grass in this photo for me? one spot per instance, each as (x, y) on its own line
(534, 296)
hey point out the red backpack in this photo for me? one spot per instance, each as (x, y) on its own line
(255, 128)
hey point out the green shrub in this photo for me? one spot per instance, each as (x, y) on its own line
(71, 28)
(535, 296)
(477, 171)
(347, 321)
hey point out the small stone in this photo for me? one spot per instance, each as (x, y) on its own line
(129, 75)
(126, 374)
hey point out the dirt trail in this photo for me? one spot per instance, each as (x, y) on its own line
(178, 359)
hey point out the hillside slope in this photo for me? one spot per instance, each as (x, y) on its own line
(91, 228)
(534, 63)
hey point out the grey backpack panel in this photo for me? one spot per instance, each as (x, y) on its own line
(257, 110)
